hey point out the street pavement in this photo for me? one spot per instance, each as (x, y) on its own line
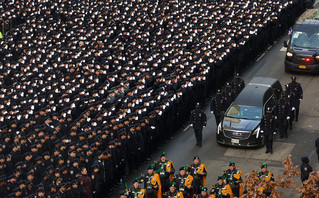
(182, 148)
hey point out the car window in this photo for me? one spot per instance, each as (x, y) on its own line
(244, 112)
(271, 102)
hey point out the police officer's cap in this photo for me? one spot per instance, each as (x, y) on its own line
(231, 163)
(293, 78)
(204, 189)
(219, 91)
(305, 159)
(264, 165)
(2, 178)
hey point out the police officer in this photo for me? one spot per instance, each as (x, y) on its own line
(221, 189)
(233, 177)
(268, 176)
(198, 121)
(237, 84)
(199, 173)
(296, 94)
(268, 125)
(217, 106)
(282, 114)
(289, 101)
(305, 169)
(228, 95)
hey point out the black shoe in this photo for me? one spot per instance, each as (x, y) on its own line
(267, 151)
(296, 119)
(200, 145)
(290, 127)
(271, 151)
(286, 136)
(281, 137)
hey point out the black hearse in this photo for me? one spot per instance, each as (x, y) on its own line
(303, 46)
(240, 124)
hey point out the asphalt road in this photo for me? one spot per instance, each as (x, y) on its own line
(300, 142)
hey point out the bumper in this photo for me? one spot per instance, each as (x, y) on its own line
(292, 67)
(252, 141)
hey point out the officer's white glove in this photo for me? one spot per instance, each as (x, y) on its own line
(275, 117)
(300, 99)
(191, 125)
(288, 117)
(261, 131)
(153, 127)
(293, 108)
(211, 111)
(274, 133)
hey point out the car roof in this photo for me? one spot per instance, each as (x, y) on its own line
(256, 90)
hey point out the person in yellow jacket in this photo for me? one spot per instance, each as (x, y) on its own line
(172, 192)
(152, 183)
(199, 173)
(222, 190)
(233, 177)
(165, 169)
(269, 176)
(136, 191)
(184, 182)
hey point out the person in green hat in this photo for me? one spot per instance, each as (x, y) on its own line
(221, 189)
(136, 191)
(184, 182)
(267, 175)
(199, 173)
(152, 183)
(233, 177)
(165, 169)
(172, 192)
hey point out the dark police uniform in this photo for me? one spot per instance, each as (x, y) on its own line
(296, 94)
(198, 120)
(217, 106)
(282, 112)
(268, 125)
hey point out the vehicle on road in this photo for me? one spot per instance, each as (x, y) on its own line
(303, 45)
(240, 124)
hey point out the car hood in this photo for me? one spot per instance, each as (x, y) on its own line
(239, 124)
(305, 51)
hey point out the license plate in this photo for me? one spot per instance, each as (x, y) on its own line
(302, 67)
(234, 141)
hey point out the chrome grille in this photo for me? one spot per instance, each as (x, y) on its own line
(237, 134)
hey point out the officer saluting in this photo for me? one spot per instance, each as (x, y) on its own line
(296, 94)
(217, 106)
(198, 121)
(268, 127)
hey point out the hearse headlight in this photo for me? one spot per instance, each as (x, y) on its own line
(317, 57)
(289, 54)
(257, 132)
(219, 128)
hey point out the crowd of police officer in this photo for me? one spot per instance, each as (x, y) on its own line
(89, 88)
(161, 180)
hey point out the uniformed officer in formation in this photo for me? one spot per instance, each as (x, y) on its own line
(268, 127)
(217, 106)
(282, 113)
(199, 172)
(117, 77)
(233, 177)
(237, 84)
(291, 109)
(198, 120)
(296, 94)
(267, 176)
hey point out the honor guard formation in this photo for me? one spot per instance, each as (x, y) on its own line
(89, 89)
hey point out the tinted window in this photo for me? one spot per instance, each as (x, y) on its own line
(271, 102)
(244, 112)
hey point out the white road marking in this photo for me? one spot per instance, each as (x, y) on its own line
(283, 49)
(312, 152)
(260, 57)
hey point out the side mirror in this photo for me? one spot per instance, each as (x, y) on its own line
(285, 43)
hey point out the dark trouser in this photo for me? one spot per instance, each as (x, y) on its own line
(297, 113)
(235, 189)
(318, 153)
(218, 117)
(268, 141)
(292, 118)
(283, 127)
(164, 182)
(199, 135)
(150, 193)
